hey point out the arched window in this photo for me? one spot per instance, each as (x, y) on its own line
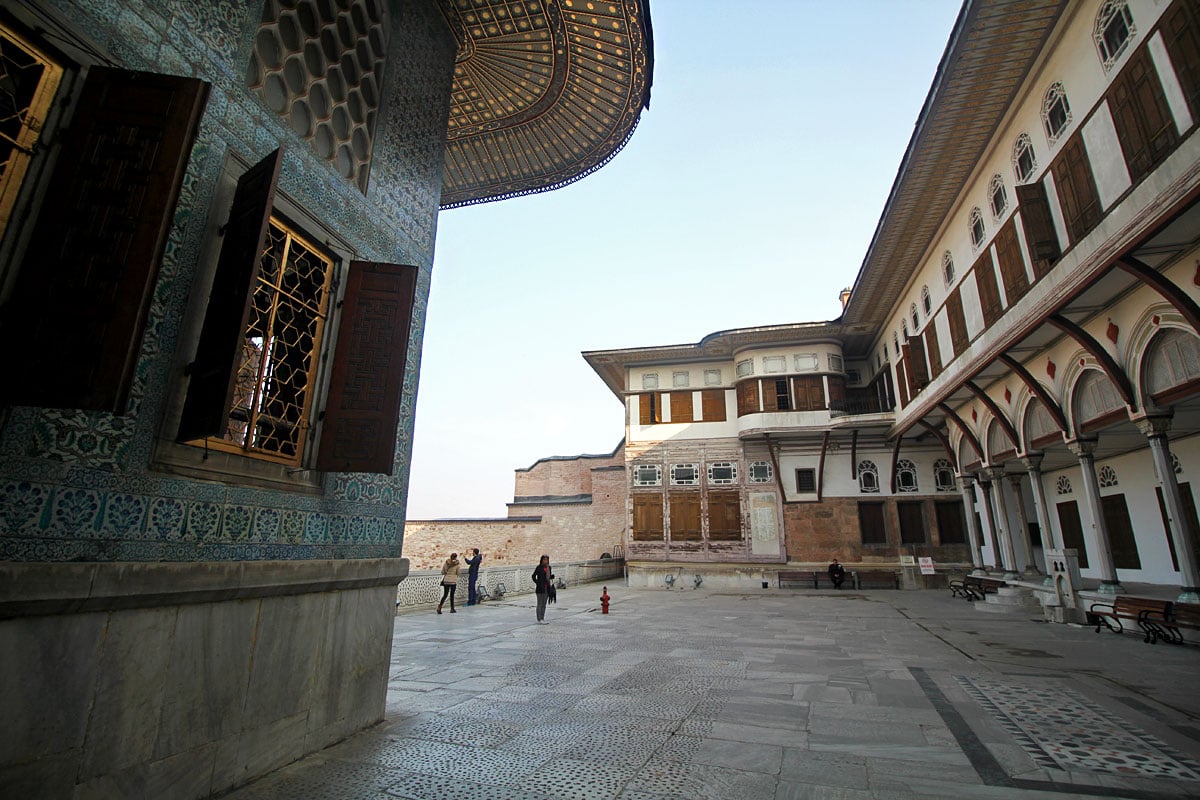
(948, 268)
(943, 475)
(997, 197)
(906, 476)
(916, 320)
(868, 477)
(1095, 398)
(1172, 360)
(1024, 161)
(896, 343)
(1056, 112)
(1176, 465)
(976, 225)
(1063, 485)
(1114, 28)
(926, 300)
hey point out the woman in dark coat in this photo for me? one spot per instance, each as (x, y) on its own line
(542, 576)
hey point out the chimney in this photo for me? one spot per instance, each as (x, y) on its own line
(844, 296)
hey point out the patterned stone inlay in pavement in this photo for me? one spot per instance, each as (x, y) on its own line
(1061, 728)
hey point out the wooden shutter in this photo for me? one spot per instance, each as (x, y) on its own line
(952, 525)
(212, 375)
(747, 397)
(724, 516)
(1040, 235)
(918, 369)
(685, 517)
(1145, 126)
(958, 322)
(366, 383)
(1012, 265)
(809, 391)
(871, 524)
(902, 381)
(73, 326)
(989, 292)
(837, 391)
(647, 517)
(1076, 186)
(650, 408)
(712, 405)
(681, 406)
(1181, 35)
(933, 349)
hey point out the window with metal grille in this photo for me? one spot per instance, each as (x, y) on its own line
(761, 472)
(906, 476)
(1114, 28)
(806, 480)
(273, 395)
(685, 475)
(997, 197)
(28, 81)
(943, 475)
(868, 477)
(926, 300)
(722, 473)
(1056, 112)
(976, 225)
(647, 475)
(947, 268)
(1024, 162)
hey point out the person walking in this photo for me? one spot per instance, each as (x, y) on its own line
(449, 581)
(542, 577)
(472, 576)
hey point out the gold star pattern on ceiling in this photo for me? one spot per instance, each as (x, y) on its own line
(545, 92)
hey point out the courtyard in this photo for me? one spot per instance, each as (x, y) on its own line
(779, 694)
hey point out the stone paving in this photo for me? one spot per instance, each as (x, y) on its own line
(772, 694)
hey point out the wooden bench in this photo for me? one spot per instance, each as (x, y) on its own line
(975, 587)
(1135, 609)
(874, 579)
(805, 578)
(1168, 625)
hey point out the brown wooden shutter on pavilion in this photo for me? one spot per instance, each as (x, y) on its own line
(958, 322)
(685, 517)
(1012, 265)
(837, 390)
(1141, 115)
(647, 517)
(681, 406)
(366, 383)
(747, 397)
(1181, 35)
(712, 405)
(914, 355)
(212, 373)
(1076, 186)
(73, 326)
(1038, 223)
(989, 292)
(809, 391)
(902, 381)
(724, 516)
(649, 408)
(933, 350)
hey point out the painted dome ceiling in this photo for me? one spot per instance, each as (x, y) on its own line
(545, 92)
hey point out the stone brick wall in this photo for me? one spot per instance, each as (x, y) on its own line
(819, 532)
(560, 476)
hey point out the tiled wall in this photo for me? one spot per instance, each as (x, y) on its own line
(76, 485)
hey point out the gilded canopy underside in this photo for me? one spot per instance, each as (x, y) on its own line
(545, 92)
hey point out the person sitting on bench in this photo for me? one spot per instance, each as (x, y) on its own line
(837, 574)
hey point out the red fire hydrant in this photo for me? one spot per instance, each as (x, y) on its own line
(604, 600)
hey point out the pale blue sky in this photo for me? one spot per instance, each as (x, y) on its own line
(747, 196)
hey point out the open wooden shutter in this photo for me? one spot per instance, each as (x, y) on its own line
(74, 323)
(902, 380)
(747, 397)
(958, 322)
(918, 367)
(837, 391)
(366, 384)
(1181, 35)
(1077, 194)
(1012, 265)
(989, 292)
(1040, 235)
(934, 350)
(1141, 116)
(212, 372)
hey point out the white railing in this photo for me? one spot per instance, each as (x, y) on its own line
(423, 588)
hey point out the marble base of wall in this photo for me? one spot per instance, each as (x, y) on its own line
(177, 680)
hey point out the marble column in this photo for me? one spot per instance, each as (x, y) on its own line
(1050, 541)
(973, 537)
(1030, 565)
(990, 518)
(1184, 538)
(1084, 450)
(1003, 530)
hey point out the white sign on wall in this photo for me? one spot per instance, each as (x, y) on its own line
(764, 528)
